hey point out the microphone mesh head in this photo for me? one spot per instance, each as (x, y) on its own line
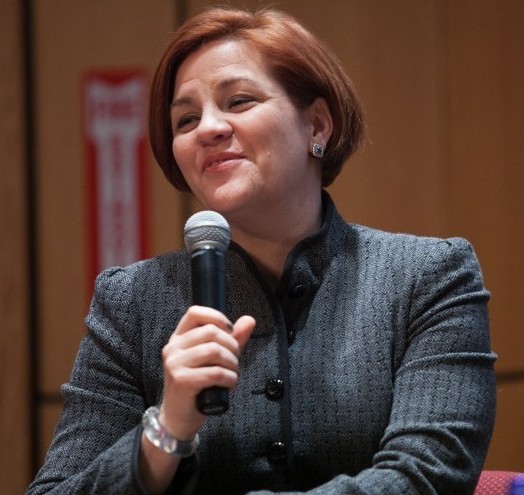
(206, 229)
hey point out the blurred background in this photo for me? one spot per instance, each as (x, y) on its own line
(442, 83)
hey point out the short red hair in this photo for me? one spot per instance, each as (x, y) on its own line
(302, 64)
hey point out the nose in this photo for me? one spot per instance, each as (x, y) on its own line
(213, 126)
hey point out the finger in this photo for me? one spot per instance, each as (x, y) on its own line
(197, 316)
(206, 354)
(203, 335)
(194, 380)
(243, 328)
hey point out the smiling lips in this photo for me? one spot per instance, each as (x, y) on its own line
(214, 161)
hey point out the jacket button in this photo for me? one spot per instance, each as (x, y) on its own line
(274, 389)
(297, 291)
(276, 452)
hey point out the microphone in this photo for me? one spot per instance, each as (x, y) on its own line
(206, 237)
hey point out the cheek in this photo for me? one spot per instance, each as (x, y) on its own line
(182, 153)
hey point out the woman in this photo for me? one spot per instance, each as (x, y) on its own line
(359, 361)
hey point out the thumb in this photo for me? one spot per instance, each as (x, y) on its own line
(243, 328)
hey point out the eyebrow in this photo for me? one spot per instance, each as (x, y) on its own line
(224, 84)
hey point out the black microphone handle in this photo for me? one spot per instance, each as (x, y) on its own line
(208, 285)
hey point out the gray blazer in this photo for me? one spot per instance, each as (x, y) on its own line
(369, 372)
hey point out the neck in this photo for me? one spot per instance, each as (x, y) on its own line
(269, 243)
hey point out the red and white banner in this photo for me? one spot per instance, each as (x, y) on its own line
(115, 133)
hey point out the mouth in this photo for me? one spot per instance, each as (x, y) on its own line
(219, 161)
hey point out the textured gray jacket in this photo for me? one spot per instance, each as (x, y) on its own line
(369, 372)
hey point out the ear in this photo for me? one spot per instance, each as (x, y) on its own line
(321, 122)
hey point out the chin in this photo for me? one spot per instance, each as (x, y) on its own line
(226, 201)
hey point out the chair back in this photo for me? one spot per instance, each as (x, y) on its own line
(495, 483)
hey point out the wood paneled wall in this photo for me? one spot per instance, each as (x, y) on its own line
(72, 38)
(15, 413)
(442, 86)
(485, 101)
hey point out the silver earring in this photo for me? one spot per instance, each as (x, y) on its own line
(317, 150)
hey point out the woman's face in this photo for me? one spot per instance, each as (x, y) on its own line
(238, 140)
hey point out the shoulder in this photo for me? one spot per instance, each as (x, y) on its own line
(163, 267)
(418, 251)
(400, 240)
(126, 297)
(130, 287)
(369, 245)
(415, 264)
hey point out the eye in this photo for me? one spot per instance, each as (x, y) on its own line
(186, 122)
(241, 101)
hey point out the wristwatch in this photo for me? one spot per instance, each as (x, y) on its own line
(161, 438)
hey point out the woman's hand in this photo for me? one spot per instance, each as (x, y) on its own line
(202, 352)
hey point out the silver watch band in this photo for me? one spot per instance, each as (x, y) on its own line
(161, 438)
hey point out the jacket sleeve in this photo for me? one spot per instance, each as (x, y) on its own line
(96, 445)
(98, 434)
(444, 389)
